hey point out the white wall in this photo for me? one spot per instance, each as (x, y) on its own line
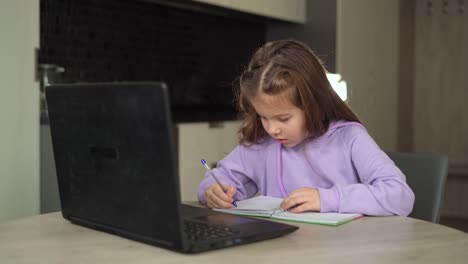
(19, 109)
(368, 58)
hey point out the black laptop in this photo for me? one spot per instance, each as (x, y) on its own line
(116, 166)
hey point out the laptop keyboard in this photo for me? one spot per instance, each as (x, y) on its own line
(197, 231)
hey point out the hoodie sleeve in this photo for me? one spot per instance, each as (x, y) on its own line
(383, 189)
(232, 171)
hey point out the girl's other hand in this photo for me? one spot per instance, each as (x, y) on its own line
(301, 200)
(217, 198)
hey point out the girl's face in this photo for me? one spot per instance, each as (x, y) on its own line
(281, 119)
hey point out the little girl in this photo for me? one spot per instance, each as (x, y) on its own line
(301, 142)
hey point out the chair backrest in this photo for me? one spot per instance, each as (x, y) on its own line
(426, 174)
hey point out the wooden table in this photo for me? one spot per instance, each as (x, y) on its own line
(49, 238)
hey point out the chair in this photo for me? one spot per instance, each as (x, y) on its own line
(426, 174)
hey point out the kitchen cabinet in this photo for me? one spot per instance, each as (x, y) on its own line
(440, 64)
(288, 10)
(196, 141)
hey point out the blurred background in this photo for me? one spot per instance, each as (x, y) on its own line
(405, 63)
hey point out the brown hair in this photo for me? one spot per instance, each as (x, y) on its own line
(289, 68)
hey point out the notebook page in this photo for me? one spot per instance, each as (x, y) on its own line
(259, 203)
(318, 218)
(257, 206)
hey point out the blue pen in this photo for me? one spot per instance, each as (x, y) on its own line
(203, 161)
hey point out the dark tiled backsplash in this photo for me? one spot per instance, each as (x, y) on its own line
(199, 55)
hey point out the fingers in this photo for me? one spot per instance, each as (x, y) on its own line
(302, 208)
(217, 198)
(215, 202)
(292, 201)
(301, 200)
(230, 191)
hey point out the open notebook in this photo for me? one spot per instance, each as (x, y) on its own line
(265, 206)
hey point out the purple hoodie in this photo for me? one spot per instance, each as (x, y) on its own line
(351, 172)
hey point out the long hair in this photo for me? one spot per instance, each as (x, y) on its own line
(289, 68)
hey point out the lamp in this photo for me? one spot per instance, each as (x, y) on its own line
(338, 84)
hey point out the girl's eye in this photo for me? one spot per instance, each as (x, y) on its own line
(283, 119)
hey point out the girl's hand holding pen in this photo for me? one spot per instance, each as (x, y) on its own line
(217, 198)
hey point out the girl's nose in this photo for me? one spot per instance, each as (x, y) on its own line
(275, 130)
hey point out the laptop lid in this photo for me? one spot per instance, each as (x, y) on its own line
(110, 142)
(116, 169)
